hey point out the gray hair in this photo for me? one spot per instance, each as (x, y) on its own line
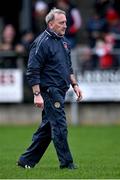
(51, 15)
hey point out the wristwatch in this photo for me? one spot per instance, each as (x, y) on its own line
(74, 84)
(36, 93)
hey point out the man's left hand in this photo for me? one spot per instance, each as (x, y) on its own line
(78, 92)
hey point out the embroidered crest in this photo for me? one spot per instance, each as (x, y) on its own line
(65, 45)
(57, 104)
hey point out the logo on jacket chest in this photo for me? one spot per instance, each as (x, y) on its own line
(65, 44)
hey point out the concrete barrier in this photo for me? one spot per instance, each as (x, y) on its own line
(83, 113)
(19, 114)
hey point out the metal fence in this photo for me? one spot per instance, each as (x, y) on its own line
(97, 84)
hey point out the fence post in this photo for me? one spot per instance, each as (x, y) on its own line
(74, 113)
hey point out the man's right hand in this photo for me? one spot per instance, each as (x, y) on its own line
(38, 101)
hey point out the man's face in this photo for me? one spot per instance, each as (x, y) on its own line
(58, 25)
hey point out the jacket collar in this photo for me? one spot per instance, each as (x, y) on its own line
(53, 34)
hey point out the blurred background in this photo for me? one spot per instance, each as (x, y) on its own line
(93, 29)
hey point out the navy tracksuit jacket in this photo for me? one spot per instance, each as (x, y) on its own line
(49, 66)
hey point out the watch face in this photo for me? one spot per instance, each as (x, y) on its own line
(36, 93)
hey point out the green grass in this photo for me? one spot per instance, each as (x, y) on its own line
(96, 150)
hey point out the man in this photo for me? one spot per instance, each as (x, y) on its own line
(50, 74)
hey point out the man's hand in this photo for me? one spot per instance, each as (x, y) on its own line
(38, 101)
(78, 92)
(76, 87)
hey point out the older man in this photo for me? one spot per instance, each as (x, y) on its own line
(50, 74)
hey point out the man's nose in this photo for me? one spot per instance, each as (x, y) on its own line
(65, 25)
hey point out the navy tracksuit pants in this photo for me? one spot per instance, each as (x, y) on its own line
(53, 127)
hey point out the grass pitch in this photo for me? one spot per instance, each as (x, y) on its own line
(96, 150)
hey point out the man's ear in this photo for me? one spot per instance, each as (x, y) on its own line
(50, 25)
